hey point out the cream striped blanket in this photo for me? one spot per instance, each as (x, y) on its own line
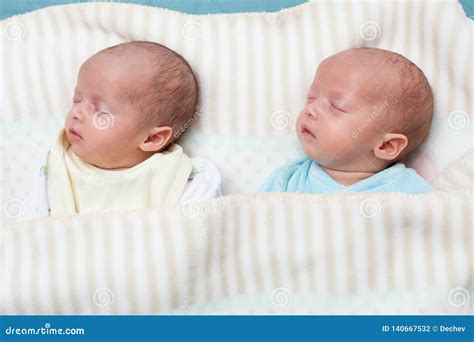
(251, 253)
(243, 253)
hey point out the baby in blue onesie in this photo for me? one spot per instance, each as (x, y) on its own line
(366, 111)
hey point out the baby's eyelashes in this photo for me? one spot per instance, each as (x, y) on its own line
(104, 112)
(92, 107)
(336, 107)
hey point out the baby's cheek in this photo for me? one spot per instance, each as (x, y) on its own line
(68, 119)
(298, 121)
(108, 147)
(335, 141)
(83, 152)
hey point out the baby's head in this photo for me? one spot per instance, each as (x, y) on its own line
(366, 109)
(129, 102)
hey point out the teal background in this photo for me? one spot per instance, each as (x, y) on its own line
(10, 8)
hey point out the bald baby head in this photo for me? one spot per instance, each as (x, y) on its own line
(167, 91)
(405, 88)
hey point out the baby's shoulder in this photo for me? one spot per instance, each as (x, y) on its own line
(413, 182)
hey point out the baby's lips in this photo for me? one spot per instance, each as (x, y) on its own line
(74, 135)
(305, 130)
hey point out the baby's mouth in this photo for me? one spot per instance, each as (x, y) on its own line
(74, 134)
(307, 134)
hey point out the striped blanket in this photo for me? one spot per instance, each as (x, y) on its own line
(246, 252)
(251, 253)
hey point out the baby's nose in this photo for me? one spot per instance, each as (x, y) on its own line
(82, 109)
(312, 112)
(78, 114)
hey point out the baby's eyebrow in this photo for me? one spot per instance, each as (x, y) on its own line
(312, 91)
(94, 97)
(333, 93)
(313, 87)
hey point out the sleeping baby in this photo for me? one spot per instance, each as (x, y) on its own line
(366, 110)
(117, 149)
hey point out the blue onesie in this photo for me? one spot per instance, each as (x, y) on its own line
(305, 175)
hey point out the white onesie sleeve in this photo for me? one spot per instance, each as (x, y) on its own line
(204, 182)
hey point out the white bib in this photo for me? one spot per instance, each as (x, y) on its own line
(75, 186)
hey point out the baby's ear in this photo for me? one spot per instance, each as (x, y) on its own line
(391, 146)
(157, 139)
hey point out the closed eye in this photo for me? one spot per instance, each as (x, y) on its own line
(336, 107)
(105, 112)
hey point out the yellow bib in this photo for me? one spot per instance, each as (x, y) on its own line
(75, 186)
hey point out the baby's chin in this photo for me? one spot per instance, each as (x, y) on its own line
(81, 154)
(310, 150)
(78, 149)
(316, 154)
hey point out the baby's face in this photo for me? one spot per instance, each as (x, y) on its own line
(333, 123)
(103, 125)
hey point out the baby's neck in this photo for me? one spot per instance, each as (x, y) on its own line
(348, 177)
(127, 163)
